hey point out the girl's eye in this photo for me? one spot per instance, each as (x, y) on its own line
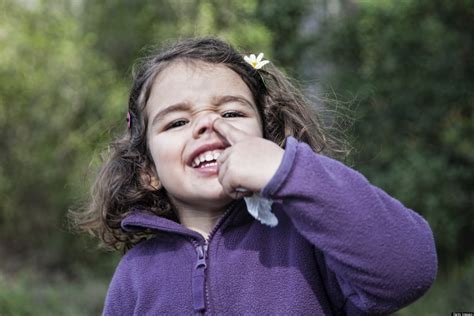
(176, 123)
(231, 114)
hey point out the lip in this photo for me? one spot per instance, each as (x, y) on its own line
(207, 171)
(204, 148)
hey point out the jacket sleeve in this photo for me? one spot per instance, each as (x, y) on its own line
(381, 255)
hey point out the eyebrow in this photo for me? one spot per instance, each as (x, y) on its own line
(185, 106)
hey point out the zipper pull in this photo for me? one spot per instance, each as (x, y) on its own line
(201, 260)
(199, 279)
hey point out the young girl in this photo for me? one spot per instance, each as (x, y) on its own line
(208, 127)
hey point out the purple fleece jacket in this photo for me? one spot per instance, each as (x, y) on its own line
(341, 247)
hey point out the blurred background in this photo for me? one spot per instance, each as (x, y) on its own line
(402, 70)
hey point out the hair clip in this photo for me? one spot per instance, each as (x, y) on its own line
(256, 62)
(129, 120)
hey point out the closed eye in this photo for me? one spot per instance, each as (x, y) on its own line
(176, 124)
(231, 114)
(181, 122)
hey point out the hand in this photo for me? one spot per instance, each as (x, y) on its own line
(249, 163)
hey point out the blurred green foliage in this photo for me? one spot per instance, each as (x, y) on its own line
(405, 66)
(58, 99)
(410, 67)
(125, 29)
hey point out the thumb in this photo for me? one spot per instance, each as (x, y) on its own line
(230, 133)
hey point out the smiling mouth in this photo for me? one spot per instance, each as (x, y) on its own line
(206, 159)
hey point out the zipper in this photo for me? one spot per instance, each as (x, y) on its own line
(199, 278)
(200, 289)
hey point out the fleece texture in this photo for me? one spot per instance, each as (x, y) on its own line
(341, 247)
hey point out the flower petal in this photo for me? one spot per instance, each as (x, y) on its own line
(247, 59)
(259, 58)
(261, 64)
(252, 57)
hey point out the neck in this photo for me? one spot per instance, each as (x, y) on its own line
(201, 219)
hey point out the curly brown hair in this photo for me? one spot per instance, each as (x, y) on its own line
(122, 184)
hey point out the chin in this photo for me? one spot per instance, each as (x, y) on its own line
(216, 196)
(212, 196)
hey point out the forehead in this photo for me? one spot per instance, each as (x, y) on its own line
(194, 82)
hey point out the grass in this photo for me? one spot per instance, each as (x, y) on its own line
(30, 294)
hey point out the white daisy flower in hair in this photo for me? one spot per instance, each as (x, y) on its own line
(256, 62)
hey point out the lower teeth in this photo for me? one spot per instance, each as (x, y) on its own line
(208, 165)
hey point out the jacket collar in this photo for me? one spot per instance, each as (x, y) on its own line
(140, 220)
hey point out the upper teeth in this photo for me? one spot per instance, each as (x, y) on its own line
(206, 156)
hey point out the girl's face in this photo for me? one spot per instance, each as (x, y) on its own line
(184, 101)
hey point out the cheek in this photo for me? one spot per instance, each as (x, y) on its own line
(165, 152)
(253, 127)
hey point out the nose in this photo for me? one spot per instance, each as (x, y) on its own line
(203, 124)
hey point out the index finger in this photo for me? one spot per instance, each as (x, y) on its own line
(230, 133)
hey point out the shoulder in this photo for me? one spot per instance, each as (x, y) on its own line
(144, 258)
